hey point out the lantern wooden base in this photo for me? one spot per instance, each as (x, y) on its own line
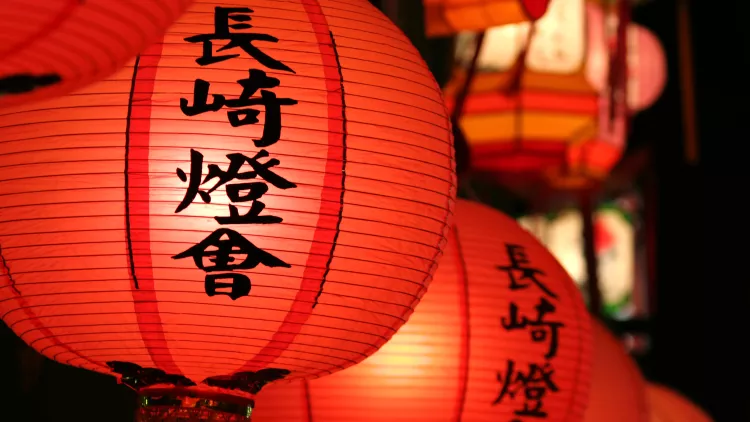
(180, 404)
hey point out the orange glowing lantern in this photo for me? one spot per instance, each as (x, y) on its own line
(455, 359)
(446, 17)
(618, 390)
(545, 111)
(52, 47)
(667, 405)
(248, 200)
(549, 118)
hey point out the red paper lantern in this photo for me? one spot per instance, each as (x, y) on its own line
(52, 47)
(446, 17)
(451, 360)
(150, 221)
(668, 406)
(618, 390)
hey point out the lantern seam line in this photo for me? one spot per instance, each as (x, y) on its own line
(127, 166)
(344, 134)
(7, 271)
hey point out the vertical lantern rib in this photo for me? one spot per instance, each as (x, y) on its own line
(308, 399)
(138, 225)
(127, 170)
(343, 169)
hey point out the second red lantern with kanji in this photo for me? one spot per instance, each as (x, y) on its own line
(502, 335)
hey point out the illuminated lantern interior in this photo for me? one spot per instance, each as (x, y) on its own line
(667, 405)
(451, 360)
(446, 17)
(219, 214)
(52, 47)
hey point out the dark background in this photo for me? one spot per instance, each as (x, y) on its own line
(700, 321)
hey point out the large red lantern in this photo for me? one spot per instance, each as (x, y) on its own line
(666, 405)
(618, 390)
(252, 198)
(487, 343)
(52, 47)
(446, 17)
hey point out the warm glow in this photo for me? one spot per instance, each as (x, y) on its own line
(618, 389)
(443, 365)
(558, 45)
(447, 17)
(209, 211)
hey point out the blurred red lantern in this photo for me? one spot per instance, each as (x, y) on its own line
(475, 350)
(618, 390)
(446, 17)
(152, 226)
(52, 47)
(667, 405)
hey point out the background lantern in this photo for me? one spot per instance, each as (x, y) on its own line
(542, 112)
(667, 405)
(614, 243)
(156, 234)
(647, 63)
(618, 390)
(52, 47)
(446, 17)
(449, 361)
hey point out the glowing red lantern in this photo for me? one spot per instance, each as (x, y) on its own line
(52, 47)
(446, 17)
(668, 406)
(152, 226)
(618, 390)
(452, 360)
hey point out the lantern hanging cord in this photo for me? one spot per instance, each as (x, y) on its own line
(618, 72)
(463, 93)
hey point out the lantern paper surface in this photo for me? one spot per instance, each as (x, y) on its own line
(51, 47)
(667, 405)
(451, 361)
(267, 188)
(548, 120)
(447, 17)
(618, 390)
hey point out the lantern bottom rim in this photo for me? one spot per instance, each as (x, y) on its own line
(183, 404)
